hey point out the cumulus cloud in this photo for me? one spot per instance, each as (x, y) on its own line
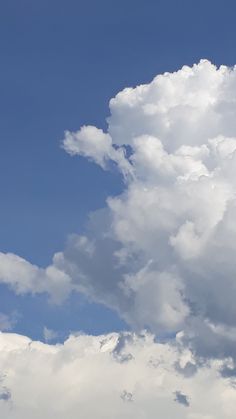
(172, 230)
(162, 254)
(23, 278)
(82, 377)
(93, 143)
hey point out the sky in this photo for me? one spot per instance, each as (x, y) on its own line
(117, 205)
(61, 63)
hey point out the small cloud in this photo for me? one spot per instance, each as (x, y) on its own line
(49, 334)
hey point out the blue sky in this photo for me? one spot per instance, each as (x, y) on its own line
(61, 62)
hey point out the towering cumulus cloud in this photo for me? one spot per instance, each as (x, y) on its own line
(162, 254)
(170, 237)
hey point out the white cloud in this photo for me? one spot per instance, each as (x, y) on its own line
(93, 377)
(162, 254)
(93, 143)
(185, 107)
(23, 277)
(172, 232)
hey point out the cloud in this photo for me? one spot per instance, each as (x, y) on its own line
(7, 322)
(170, 236)
(49, 334)
(82, 377)
(23, 277)
(93, 143)
(162, 253)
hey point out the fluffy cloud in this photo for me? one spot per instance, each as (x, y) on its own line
(23, 277)
(94, 377)
(162, 254)
(93, 143)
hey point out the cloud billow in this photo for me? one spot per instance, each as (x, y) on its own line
(172, 230)
(162, 254)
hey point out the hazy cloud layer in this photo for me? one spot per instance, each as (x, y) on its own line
(83, 378)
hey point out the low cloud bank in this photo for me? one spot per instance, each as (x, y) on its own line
(111, 376)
